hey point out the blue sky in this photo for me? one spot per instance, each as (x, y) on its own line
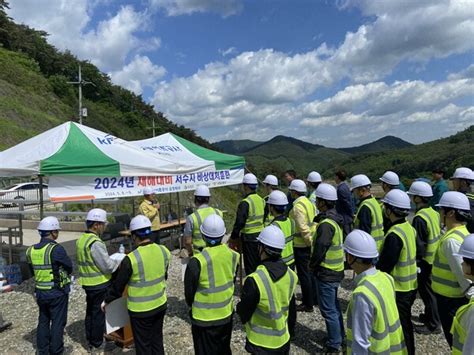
(337, 73)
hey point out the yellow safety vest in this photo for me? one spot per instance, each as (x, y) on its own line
(377, 220)
(41, 261)
(254, 222)
(214, 298)
(90, 274)
(268, 326)
(147, 286)
(431, 218)
(387, 335)
(334, 259)
(305, 204)
(444, 282)
(198, 217)
(458, 332)
(405, 272)
(288, 228)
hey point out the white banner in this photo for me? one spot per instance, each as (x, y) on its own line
(75, 188)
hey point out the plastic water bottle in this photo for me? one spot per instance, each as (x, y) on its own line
(170, 217)
(121, 249)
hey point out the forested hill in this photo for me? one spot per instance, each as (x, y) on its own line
(35, 96)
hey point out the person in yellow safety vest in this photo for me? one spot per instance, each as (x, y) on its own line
(398, 258)
(462, 180)
(267, 305)
(144, 271)
(463, 323)
(303, 213)
(390, 181)
(373, 325)
(277, 202)
(193, 240)
(428, 231)
(150, 208)
(271, 184)
(313, 180)
(95, 271)
(209, 290)
(51, 268)
(369, 216)
(451, 288)
(327, 265)
(248, 224)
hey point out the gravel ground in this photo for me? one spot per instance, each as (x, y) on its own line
(20, 308)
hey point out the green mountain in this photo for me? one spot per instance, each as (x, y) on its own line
(236, 146)
(384, 143)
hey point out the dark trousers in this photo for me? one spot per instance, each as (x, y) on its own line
(427, 295)
(214, 340)
(148, 334)
(155, 237)
(405, 301)
(331, 311)
(251, 256)
(51, 322)
(95, 318)
(302, 256)
(447, 308)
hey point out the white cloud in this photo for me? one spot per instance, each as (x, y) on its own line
(228, 51)
(465, 73)
(137, 74)
(187, 7)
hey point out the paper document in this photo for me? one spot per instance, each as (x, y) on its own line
(184, 264)
(118, 256)
(116, 315)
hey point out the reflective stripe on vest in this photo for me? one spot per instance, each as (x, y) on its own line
(146, 286)
(377, 220)
(405, 272)
(90, 274)
(431, 218)
(310, 211)
(444, 282)
(457, 330)
(288, 228)
(198, 217)
(334, 259)
(254, 222)
(214, 297)
(40, 259)
(387, 335)
(268, 325)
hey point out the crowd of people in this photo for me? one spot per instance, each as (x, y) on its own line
(309, 235)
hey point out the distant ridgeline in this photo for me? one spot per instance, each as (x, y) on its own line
(35, 95)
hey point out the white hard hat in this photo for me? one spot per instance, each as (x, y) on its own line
(361, 244)
(326, 192)
(202, 191)
(139, 222)
(467, 248)
(213, 227)
(277, 198)
(49, 224)
(462, 173)
(250, 179)
(420, 188)
(297, 185)
(314, 177)
(390, 178)
(454, 199)
(147, 191)
(397, 198)
(272, 236)
(97, 215)
(271, 180)
(359, 181)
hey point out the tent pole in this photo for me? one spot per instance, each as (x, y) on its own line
(179, 214)
(40, 179)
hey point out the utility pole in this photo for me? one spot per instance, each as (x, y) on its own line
(80, 83)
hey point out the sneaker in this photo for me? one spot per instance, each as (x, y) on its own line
(423, 329)
(302, 308)
(331, 350)
(104, 348)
